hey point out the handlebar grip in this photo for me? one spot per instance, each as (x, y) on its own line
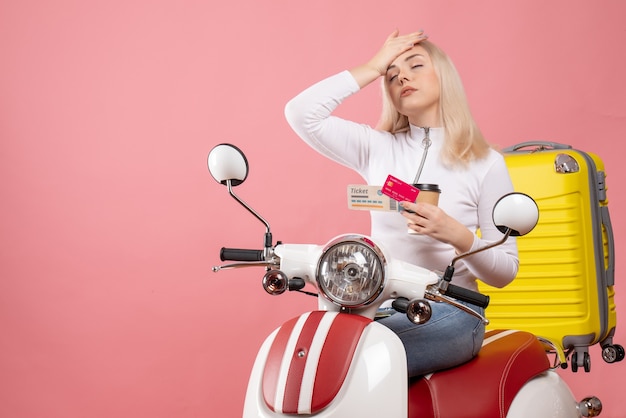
(239, 254)
(467, 295)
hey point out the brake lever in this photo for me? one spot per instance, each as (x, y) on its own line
(240, 265)
(433, 293)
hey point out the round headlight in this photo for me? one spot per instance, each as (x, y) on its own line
(351, 271)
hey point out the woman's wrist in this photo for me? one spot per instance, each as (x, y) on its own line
(463, 240)
(365, 74)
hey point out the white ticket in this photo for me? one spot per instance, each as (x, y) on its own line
(366, 197)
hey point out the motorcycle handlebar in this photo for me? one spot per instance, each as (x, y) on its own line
(240, 254)
(467, 295)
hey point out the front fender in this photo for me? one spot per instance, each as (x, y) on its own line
(329, 365)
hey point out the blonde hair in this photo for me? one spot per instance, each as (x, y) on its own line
(463, 140)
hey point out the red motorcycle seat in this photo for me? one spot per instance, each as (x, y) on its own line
(485, 386)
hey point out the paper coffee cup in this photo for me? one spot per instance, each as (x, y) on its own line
(429, 193)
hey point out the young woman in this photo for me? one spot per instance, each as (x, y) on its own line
(426, 135)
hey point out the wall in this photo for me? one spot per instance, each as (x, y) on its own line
(110, 222)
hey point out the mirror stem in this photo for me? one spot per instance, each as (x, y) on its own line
(268, 234)
(450, 269)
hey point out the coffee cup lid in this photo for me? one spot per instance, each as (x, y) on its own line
(424, 187)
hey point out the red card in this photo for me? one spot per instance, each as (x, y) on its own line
(399, 190)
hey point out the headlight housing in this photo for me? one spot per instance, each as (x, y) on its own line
(351, 271)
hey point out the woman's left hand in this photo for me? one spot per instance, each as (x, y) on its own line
(431, 220)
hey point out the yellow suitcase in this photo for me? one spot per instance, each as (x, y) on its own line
(563, 292)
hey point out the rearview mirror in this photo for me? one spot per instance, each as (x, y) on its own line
(228, 163)
(516, 212)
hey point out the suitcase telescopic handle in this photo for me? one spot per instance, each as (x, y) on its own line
(537, 145)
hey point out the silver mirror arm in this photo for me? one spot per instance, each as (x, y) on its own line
(245, 205)
(486, 247)
(447, 277)
(268, 234)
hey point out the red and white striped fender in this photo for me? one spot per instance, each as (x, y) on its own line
(309, 359)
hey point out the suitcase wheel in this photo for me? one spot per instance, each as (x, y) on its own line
(612, 353)
(585, 362)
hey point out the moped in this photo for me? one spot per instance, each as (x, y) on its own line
(338, 361)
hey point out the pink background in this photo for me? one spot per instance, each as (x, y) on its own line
(110, 222)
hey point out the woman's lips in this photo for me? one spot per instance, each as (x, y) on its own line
(406, 91)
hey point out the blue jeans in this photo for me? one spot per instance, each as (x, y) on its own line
(451, 337)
